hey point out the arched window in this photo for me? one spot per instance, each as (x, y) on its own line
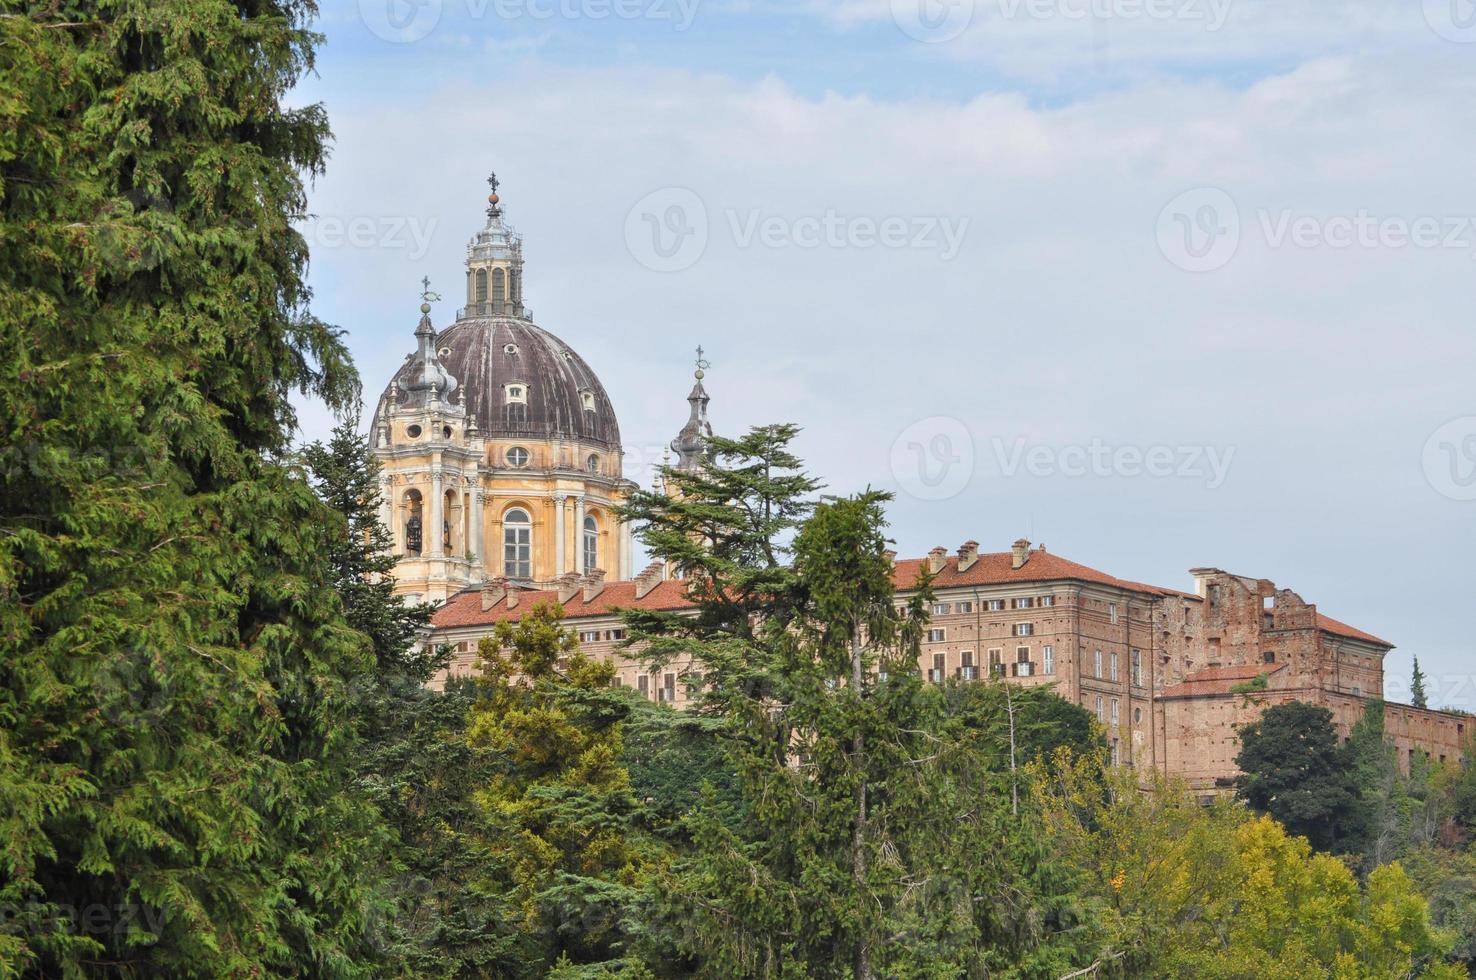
(481, 285)
(517, 544)
(592, 463)
(414, 530)
(591, 545)
(499, 288)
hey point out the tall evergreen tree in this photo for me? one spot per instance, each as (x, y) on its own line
(1294, 769)
(174, 734)
(1417, 687)
(567, 859)
(863, 791)
(345, 475)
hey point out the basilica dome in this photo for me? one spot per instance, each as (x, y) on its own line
(517, 380)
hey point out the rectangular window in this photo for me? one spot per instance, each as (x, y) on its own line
(967, 670)
(615, 634)
(1100, 709)
(1023, 665)
(1047, 600)
(936, 674)
(941, 609)
(1112, 663)
(1049, 655)
(1112, 612)
(615, 681)
(935, 636)
(1137, 668)
(668, 688)
(1024, 603)
(996, 605)
(643, 684)
(1116, 711)
(1024, 629)
(589, 636)
(996, 663)
(964, 607)
(1098, 666)
(1116, 752)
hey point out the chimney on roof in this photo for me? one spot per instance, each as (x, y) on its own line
(937, 558)
(1019, 554)
(594, 584)
(512, 598)
(568, 584)
(648, 580)
(891, 556)
(967, 555)
(493, 592)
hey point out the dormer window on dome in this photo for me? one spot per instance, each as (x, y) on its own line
(587, 399)
(515, 393)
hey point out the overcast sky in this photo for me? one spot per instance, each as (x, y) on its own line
(1160, 283)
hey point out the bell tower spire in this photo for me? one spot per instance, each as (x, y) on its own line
(691, 444)
(494, 265)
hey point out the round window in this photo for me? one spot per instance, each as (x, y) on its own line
(413, 431)
(593, 463)
(517, 456)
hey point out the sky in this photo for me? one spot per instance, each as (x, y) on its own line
(1160, 284)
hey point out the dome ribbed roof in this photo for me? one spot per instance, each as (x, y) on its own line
(485, 354)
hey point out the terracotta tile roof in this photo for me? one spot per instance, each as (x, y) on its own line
(1329, 625)
(1219, 680)
(997, 569)
(465, 608)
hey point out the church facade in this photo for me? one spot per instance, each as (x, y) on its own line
(499, 448)
(502, 474)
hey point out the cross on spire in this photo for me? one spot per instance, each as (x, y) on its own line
(702, 364)
(492, 181)
(426, 296)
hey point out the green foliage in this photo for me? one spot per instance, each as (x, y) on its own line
(175, 724)
(567, 861)
(1180, 889)
(1293, 768)
(1253, 686)
(1417, 687)
(345, 475)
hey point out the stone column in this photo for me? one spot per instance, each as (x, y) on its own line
(438, 515)
(479, 530)
(627, 551)
(560, 518)
(387, 512)
(579, 533)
